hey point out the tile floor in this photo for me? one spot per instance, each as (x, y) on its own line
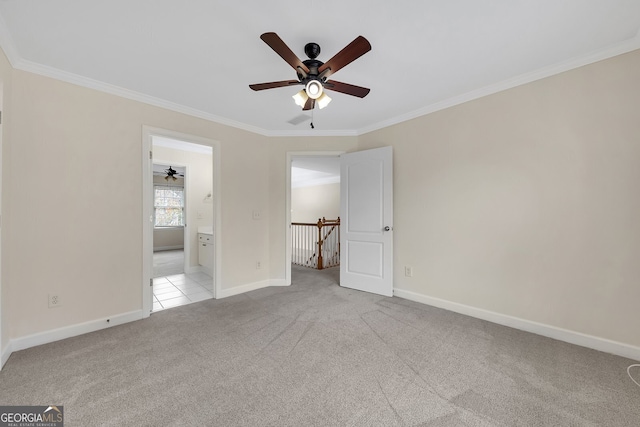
(181, 289)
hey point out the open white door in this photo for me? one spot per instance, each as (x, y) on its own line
(366, 216)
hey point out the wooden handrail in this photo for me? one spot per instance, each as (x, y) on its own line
(322, 221)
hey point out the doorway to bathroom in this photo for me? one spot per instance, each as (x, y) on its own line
(179, 213)
(169, 213)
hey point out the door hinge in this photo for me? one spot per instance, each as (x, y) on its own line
(0, 117)
(150, 282)
(150, 155)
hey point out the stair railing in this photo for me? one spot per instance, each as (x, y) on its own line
(316, 245)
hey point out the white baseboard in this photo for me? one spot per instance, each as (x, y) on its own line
(279, 282)
(6, 352)
(95, 325)
(572, 337)
(72, 331)
(224, 293)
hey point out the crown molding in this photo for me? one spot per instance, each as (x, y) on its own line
(8, 45)
(17, 62)
(310, 132)
(78, 80)
(573, 63)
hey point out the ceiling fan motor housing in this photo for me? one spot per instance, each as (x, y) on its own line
(312, 50)
(312, 65)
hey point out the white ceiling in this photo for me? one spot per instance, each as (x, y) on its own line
(199, 56)
(307, 171)
(160, 141)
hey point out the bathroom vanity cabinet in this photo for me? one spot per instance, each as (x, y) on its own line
(205, 250)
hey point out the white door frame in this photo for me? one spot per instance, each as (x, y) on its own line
(148, 133)
(290, 156)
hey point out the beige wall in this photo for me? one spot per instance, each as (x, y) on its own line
(308, 204)
(167, 238)
(86, 250)
(526, 202)
(5, 169)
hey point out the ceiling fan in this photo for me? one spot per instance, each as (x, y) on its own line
(313, 74)
(172, 174)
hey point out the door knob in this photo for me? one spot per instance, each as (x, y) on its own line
(387, 228)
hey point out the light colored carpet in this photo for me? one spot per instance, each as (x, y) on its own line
(315, 354)
(166, 263)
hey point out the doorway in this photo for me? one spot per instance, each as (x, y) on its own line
(366, 207)
(169, 199)
(313, 192)
(180, 183)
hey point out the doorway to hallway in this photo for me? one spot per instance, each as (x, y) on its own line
(366, 218)
(313, 208)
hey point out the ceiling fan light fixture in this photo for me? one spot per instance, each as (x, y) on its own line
(314, 89)
(300, 98)
(323, 101)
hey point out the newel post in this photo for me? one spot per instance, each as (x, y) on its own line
(320, 267)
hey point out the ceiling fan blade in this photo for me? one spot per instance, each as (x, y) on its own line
(350, 53)
(275, 42)
(347, 88)
(309, 104)
(272, 85)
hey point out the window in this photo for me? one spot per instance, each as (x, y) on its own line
(168, 206)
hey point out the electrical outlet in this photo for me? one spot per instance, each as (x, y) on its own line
(258, 265)
(408, 271)
(257, 215)
(54, 300)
